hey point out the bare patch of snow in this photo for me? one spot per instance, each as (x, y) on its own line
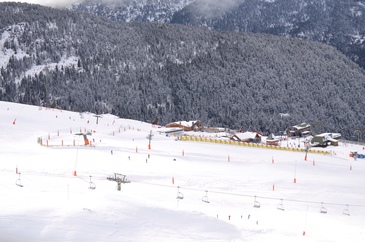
(35, 70)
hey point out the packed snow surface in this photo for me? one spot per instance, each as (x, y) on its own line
(47, 172)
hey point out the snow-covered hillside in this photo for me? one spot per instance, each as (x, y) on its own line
(55, 202)
(157, 11)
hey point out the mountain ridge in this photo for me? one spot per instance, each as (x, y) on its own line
(338, 24)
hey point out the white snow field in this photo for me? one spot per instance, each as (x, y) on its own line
(41, 199)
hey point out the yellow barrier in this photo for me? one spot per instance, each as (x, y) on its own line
(232, 142)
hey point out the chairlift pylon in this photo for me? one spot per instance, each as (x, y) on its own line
(179, 194)
(256, 204)
(346, 211)
(323, 209)
(280, 206)
(205, 198)
(18, 182)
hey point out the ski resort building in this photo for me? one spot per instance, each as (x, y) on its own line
(299, 130)
(249, 137)
(326, 139)
(186, 125)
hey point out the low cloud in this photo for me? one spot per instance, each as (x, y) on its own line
(214, 7)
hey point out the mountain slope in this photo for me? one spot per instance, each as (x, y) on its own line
(157, 11)
(173, 72)
(337, 23)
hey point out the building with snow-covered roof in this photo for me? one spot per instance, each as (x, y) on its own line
(326, 139)
(300, 130)
(186, 125)
(272, 140)
(247, 137)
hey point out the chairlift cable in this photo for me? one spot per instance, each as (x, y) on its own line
(255, 196)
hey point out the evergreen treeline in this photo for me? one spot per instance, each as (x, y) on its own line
(174, 72)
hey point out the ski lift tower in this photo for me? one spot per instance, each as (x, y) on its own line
(119, 178)
(97, 118)
(84, 135)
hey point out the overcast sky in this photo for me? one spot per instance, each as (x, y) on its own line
(54, 3)
(61, 3)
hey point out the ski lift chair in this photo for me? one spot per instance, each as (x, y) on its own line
(256, 204)
(323, 209)
(205, 198)
(346, 211)
(280, 206)
(18, 182)
(92, 185)
(179, 194)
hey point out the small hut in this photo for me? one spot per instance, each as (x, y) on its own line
(272, 140)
